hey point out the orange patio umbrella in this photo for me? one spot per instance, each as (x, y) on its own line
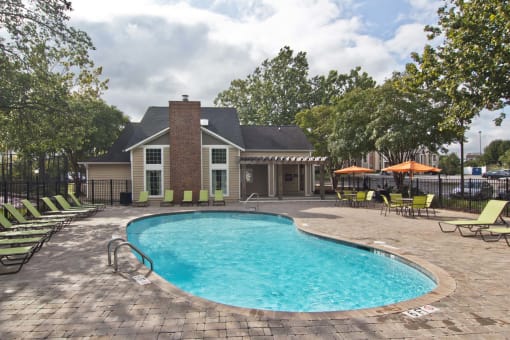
(411, 167)
(353, 170)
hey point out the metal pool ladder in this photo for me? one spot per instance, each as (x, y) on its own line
(122, 244)
(253, 197)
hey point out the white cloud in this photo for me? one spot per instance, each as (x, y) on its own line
(154, 50)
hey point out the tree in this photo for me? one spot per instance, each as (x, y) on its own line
(449, 164)
(493, 152)
(396, 123)
(274, 93)
(504, 159)
(471, 62)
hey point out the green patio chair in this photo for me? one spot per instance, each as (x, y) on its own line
(430, 199)
(369, 198)
(341, 199)
(67, 207)
(168, 198)
(218, 197)
(203, 197)
(359, 199)
(21, 230)
(36, 214)
(15, 256)
(79, 204)
(496, 233)
(56, 223)
(143, 199)
(54, 210)
(187, 197)
(418, 203)
(489, 217)
(388, 205)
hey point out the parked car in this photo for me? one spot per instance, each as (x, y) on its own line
(474, 190)
(495, 174)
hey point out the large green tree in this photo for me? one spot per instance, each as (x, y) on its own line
(470, 61)
(273, 93)
(493, 152)
(449, 164)
(396, 123)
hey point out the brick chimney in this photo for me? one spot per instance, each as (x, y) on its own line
(185, 147)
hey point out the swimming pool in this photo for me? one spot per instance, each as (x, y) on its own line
(262, 261)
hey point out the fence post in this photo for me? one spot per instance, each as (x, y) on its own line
(111, 191)
(37, 192)
(440, 189)
(92, 191)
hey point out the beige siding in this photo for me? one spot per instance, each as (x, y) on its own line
(106, 181)
(234, 172)
(137, 159)
(161, 140)
(109, 171)
(206, 175)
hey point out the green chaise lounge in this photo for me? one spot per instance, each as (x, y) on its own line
(203, 197)
(490, 216)
(20, 219)
(218, 197)
(67, 207)
(15, 256)
(143, 199)
(53, 209)
(187, 197)
(168, 198)
(36, 214)
(23, 230)
(79, 204)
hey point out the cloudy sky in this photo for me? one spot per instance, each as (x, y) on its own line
(153, 51)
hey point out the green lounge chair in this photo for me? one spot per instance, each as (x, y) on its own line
(79, 204)
(36, 214)
(15, 256)
(67, 207)
(54, 210)
(187, 197)
(7, 225)
(203, 197)
(143, 199)
(8, 230)
(36, 242)
(496, 233)
(168, 198)
(57, 223)
(490, 216)
(218, 197)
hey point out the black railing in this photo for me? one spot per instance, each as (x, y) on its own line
(448, 191)
(94, 191)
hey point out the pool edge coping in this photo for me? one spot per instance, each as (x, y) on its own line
(446, 285)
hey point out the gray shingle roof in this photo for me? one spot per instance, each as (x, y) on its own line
(275, 138)
(221, 121)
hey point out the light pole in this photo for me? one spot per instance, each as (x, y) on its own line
(480, 134)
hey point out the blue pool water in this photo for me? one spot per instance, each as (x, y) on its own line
(262, 261)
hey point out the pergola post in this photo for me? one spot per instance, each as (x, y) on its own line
(322, 191)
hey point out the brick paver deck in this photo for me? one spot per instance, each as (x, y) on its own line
(67, 290)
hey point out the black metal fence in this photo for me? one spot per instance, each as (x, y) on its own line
(448, 191)
(94, 191)
(449, 194)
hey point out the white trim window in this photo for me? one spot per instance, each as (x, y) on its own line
(218, 161)
(153, 172)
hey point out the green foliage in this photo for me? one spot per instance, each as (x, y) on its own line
(450, 164)
(504, 159)
(396, 123)
(495, 150)
(470, 65)
(274, 93)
